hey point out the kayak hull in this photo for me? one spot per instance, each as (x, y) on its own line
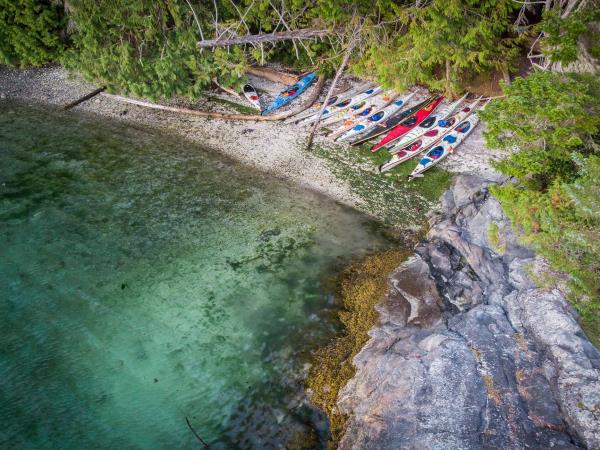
(290, 93)
(426, 141)
(446, 146)
(341, 107)
(426, 125)
(379, 116)
(386, 125)
(332, 100)
(251, 95)
(408, 124)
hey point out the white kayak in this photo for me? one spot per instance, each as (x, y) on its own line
(346, 104)
(252, 96)
(375, 118)
(360, 110)
(363, 117)
(338, 98)
(425, 141)
(446, 146)
(426, 125)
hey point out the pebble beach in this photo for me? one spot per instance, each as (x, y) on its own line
(277, 148)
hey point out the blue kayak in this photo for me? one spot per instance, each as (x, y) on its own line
(290, 93)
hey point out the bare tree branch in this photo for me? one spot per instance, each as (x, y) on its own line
(196, 19)
(339, 72)
(289, 29)
(269, 37)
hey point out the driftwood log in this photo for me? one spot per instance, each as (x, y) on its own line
(272, 75)
(261, 38)
(226, 89)
(217, 115)
(84, 98)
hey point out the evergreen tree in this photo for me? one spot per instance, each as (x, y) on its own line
(549, 125)
(547, 116)
(148, 48)
(446, 41)
(563, 36)
(30, 32)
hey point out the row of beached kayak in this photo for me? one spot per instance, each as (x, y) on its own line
(369, 113)
(427, 128)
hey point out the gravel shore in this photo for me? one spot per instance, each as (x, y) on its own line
(276, 148)
(272, 147)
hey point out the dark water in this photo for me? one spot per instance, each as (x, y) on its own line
(144, 280)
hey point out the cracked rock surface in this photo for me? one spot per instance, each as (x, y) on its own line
(469, 353)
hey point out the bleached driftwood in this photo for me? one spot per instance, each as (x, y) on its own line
(272, 75)
(218, 115)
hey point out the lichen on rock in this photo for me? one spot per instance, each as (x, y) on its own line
(469, 353)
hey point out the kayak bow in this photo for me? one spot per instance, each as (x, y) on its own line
(252, 96)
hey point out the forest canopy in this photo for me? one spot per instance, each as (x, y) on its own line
(550, 125)
(149, 48)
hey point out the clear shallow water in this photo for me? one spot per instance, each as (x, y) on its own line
(144, 280)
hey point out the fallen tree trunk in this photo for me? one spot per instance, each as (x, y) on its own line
(217, 115)
(260, 38)
(272, 75)
(226, 89)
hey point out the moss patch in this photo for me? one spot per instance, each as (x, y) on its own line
(361, 286)
(242, 109)
(390, 196)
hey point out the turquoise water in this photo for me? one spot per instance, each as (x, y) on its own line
(144, 280)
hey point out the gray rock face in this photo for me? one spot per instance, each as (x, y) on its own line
(469, 354)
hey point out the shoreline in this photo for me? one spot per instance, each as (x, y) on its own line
(273, 148)
(345, 174)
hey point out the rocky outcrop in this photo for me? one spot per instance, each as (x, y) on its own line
(469, 353)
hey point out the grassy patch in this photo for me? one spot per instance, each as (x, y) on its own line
(495, 239)
(390, 196)
(361, 285)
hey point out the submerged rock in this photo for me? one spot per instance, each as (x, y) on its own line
(469, 353)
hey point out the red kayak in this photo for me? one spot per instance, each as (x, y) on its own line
(408, 124)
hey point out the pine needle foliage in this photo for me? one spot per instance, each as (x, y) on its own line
(550, 125)
(30, 32)
(563, 36)
(445, 42)
(547, 116)
(148, 48)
